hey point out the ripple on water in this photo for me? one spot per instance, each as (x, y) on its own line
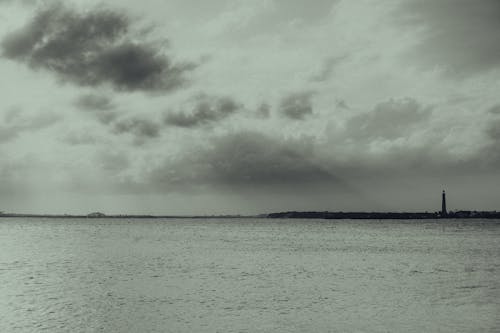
(247, 275)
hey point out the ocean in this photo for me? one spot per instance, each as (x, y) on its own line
(249, 275)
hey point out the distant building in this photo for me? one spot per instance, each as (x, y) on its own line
(443, 204)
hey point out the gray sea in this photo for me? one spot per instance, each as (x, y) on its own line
(249, 275)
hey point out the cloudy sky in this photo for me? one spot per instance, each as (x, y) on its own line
(248, 106)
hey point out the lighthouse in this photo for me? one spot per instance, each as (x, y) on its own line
(443, 204)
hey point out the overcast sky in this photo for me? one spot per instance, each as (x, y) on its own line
(248, 106)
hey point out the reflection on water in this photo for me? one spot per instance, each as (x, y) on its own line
(246, 275)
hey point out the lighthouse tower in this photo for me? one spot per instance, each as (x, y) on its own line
(443, 204)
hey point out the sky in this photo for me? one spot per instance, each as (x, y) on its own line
(247, 107)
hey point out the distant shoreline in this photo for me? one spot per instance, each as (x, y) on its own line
(127, 216)
(388, 215)
(284, 215)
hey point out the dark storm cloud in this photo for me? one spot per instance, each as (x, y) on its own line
(388, 120)
(297, 105)
(495, 109)
(103, 109)
(141, 128)
(99, 106)
(92, 48)
(15, 123)
(490, 154)
(460, 36)
(254, 158)
(254, 162)
(206, 110)
(246, 159)
(494, 131)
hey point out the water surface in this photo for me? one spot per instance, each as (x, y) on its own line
(249, 275)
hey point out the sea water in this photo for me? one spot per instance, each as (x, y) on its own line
(249, 275)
